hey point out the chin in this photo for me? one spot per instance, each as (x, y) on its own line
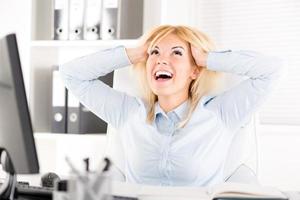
(162, 91)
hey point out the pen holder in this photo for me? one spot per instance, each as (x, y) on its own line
(87, 186)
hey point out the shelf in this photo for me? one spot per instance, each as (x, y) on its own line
(82, 43)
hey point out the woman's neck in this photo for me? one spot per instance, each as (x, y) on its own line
(169, 103)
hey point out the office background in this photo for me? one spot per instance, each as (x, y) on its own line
(268, 26)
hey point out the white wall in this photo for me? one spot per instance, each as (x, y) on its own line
(279, 156)
(15, 18)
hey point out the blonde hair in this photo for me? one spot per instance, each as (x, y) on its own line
(202, 85)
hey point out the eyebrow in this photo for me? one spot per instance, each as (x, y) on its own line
(172, 47)
(178, 47)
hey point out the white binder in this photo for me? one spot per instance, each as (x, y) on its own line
(61, 20)
(59, 106)
(109, 21)
(76, 18)
(92, 19)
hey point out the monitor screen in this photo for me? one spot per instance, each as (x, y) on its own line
(16, 134)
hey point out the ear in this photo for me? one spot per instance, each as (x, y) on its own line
(195, 73)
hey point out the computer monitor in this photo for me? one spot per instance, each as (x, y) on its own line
(16, 134)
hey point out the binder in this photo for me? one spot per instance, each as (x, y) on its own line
(122, 19)
(92, 19)
(59, 100)
(76, 18)
(81, 120)
(73, 112)
(89, 122)
(61, 20)
(130, 15)
(109, 19)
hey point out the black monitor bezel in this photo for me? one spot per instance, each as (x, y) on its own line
(32, 165)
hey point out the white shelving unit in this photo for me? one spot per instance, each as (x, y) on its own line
(44, 54)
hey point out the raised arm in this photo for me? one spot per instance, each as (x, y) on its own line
(235, 106)
(81, 78)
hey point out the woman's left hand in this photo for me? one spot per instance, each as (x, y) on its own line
(199, 56)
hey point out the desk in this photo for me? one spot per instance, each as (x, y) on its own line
(291, 195)
(160, 193)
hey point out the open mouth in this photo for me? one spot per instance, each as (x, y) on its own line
(163, 75)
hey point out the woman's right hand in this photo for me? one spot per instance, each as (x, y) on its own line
(137, 54)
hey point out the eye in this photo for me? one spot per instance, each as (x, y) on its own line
(154, 52)
(177, 52)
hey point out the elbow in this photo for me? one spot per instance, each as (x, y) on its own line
(62, 69)
(280, 67)
(65, 76)
(276, 67)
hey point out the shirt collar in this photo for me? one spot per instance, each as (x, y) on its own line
(180, 110)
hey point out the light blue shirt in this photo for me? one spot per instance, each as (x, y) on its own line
(160, 153)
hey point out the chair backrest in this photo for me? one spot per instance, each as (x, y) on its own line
(243, 150)
(244, 146)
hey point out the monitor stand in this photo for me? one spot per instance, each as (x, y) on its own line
(8, 187)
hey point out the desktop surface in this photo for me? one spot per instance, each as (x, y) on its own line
(126, 191)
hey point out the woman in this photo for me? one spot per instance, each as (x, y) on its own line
(177, 134)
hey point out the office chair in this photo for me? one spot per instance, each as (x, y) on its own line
(242, 159)
(242, 163)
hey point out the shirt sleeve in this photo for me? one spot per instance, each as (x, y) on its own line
(235, 106)
(81, 78)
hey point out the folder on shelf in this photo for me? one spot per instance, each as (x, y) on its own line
(92, 19)
(61, 20)
(76, 18)
(130, 25)
(73, 113)
(81, 120)
(89, 122)
(59, 100)
(109, 20)
(122, 19)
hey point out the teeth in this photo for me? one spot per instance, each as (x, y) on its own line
(158, 73)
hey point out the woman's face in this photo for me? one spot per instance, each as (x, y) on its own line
(170, 67)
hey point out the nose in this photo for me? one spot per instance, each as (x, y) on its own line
(162, 60)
